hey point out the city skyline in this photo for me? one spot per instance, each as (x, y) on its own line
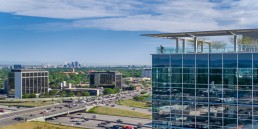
(107, 32)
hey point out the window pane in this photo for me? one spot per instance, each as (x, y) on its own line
(189, 78)
(176, 60)
(155, 60)
(164, 61)
(189, 60)
(245, 60)
(215, 60)
(255, 60)
(230, 60)
(202, 78)
(201, 60)
(176, 78)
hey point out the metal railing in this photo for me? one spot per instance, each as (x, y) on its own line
(240, 48)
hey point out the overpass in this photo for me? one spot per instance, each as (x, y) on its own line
(58, 113)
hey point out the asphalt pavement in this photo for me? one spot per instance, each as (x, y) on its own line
(93, 123)
(31, 113)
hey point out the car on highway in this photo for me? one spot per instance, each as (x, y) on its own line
(101, 125)
(48, 108)
(53, 118)
(86, 119)
(119, 121)
(19, 118)
(94, 116)
(32, 115)
(117, 127)
(78, 123)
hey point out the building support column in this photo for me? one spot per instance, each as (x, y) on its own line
(183, 45)
(235, 43)
(177, 45)
(195, 44)
(202, 46)
(209, 47)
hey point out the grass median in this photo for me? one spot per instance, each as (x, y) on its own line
(133, 103)
(118, 112)
(38, 125)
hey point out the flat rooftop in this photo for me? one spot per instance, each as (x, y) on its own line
(199, 45)
(204, 33)
(28, 70)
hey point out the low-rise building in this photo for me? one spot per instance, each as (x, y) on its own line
(106, 79)
(26, 81)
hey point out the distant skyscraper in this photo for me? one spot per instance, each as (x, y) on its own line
(76, 63)
(73, 64)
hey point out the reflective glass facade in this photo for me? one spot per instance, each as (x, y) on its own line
(206, 90)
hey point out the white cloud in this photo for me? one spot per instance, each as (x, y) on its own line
(140, 15)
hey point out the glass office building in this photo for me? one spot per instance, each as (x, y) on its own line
(27, 81)
(205, 90)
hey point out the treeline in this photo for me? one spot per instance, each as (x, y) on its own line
(56, 75)
(3, 76)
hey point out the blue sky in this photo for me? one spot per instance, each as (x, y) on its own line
(107, 32)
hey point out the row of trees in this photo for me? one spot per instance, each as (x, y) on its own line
(72, 94)
(29, 96)
(108, 91)
(222, 44)
(142, 97)
(54, 93)
(56, 76)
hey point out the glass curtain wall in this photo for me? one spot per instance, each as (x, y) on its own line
(205, 90)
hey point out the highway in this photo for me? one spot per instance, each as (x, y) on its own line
(31, 113)
(93, 123)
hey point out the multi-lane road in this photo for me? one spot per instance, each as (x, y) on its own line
(31, 113)
(93, 123)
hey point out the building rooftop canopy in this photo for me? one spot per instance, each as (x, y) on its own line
(204, 33)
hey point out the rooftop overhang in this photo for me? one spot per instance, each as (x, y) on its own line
(204, 33)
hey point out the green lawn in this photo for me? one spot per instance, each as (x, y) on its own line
(118, 112)
(27, 103)
(38, 125)
(133, 103)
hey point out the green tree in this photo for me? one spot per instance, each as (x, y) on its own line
(116, 90)
(108, 91)
(32, 96)
(63, 94)
(218, 45)
(25, 96)
(86, 93)
(143, 92)
(244, 40)
(53, 92)
(70, 94)
(78, 94)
